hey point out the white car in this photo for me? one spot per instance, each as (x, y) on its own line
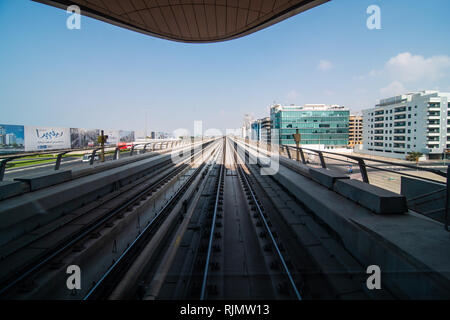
(87, 157)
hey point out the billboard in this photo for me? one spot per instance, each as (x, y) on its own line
(46, 138)
(83, 138)
(126, 136)
(17, 138)
(140, 134)
(113, 137)
(11, 138)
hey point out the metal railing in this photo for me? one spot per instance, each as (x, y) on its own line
(363, 165)
(361, 162)
(116, 150)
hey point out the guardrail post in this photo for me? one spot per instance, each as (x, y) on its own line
(91, 162)
(116, 153)
(322, 160)
(302, 155)
(447, 199)
(2, 168)
(192, 149)
(58, 160)
(288, 151)
(363, 170)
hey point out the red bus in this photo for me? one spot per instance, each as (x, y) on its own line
(124, 145)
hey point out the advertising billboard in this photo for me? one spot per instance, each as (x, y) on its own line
(11, 138)
(126, 136)
(46, 138)
(113, 137)
(83, 138)
(139, 134)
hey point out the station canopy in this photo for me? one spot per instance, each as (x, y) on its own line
(190, 20)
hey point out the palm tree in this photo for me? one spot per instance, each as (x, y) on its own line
(414, 156)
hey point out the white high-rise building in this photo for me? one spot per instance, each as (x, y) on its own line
(10, 138)
(416, 121)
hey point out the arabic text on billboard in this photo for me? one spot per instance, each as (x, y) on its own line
(46, 138)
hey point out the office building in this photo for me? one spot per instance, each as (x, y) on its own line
(255, 130)
(266, 124)
(319, 125)
(355, 130)
(416, 122)
(260, 130)
(2, 135)
(10, 139)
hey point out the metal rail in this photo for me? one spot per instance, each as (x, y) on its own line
(211, 236)
(280, 255)
(144, 232)
(4, 159)
(86, 231)
(360, 161)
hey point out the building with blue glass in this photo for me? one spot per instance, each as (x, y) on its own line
(319, 125)
(260, 130)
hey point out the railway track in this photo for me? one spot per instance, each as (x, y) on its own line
(110, 280)
(225, 231)
(90, 222)
(238, 255)
(212, 235)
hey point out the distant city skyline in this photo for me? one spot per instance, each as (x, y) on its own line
(103, 76)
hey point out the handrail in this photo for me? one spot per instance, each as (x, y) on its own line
(4, 159)
(55, 151)
(435, 171)
(363, 169)
(362, 165)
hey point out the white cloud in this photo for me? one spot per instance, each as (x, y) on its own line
(409, 68)
(407, 72)
(393, 89)
(324, 65)
(328, 92)
(412, 68)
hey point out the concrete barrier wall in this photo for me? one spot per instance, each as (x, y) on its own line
(411, 251)
(28, 211)
(413, 188)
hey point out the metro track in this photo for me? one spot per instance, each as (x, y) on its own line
(276, 276)
(122, 200)
(227, 232)
(112, 277)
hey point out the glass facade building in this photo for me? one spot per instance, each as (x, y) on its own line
(317, 124)
(260, 130)
(255, 130)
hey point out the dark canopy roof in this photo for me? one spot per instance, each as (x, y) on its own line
(190, 20)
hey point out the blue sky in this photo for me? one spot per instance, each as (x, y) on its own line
(103, 76)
